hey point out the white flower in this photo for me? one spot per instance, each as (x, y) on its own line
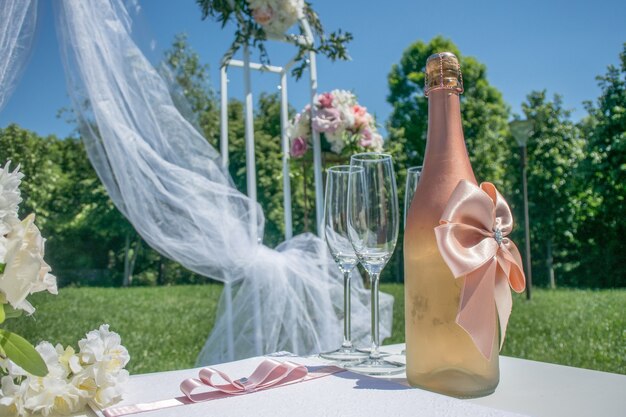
(9, 198)
(11, 368)
(377, 142)
(112, 391)
(343, 101)
(96, 374)
(336, 141)
(25, 271)
(343, 98)
(68, 359)
(103, 359)
(12, 397)
(53, 393)
(103, 348)
(300, 127)
(277, 15)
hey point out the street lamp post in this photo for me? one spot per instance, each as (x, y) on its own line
(521, 131)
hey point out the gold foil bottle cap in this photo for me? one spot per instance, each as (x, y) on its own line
(443, 72)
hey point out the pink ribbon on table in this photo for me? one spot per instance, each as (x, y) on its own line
(269, 374)
(472, 239)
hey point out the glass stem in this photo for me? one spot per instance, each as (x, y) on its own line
(347, 337)
(374, 353)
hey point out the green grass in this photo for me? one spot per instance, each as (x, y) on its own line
(165, 327)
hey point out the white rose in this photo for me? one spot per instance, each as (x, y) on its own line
(343, 98)
(25, 270)
(336, 141)
(347, 116)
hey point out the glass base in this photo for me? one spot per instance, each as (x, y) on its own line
(376, 367)
(367, 351)
(350, 354)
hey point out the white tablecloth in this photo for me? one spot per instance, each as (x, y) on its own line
(526, 387)
(344, 394)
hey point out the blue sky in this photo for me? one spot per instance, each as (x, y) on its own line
(560, 46)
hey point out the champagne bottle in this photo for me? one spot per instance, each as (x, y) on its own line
(440, 355)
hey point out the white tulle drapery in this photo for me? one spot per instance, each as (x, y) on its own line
(167, 180)
(17, 26)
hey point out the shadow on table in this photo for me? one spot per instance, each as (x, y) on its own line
(368, 382)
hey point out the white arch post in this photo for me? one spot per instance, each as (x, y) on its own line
(284, 122)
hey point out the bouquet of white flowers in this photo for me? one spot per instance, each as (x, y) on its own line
(23, 271)
(46, 379)
(96, 373)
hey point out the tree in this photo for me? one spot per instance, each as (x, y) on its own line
(555, 150)
(190, 86)
(485, 114)
(603, 174)
(82, 227)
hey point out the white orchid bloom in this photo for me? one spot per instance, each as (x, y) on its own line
(9, 198)
(12, 397)
(103, 346)
(25, 270)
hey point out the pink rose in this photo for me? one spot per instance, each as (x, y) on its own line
(366, 138)
(327, 120)
(361, 117)
(326, 100)
(298, 147)
(263, 14)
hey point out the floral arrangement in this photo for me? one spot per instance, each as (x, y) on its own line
(276, 16)
(258, 20)
(95, 374)
(23, 271)
(345, 126)
(45, 379)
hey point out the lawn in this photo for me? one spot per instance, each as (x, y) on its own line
(165, 327)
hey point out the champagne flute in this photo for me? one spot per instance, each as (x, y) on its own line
(373, 231)
(412, 178)
(336, 232)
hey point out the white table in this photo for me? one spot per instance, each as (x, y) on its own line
(545, 389)
(526, 387)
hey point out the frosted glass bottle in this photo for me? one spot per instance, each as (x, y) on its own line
(440, 355)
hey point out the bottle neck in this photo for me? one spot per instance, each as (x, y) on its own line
(445, 146)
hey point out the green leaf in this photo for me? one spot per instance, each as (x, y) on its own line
(22, 353)
(2, 266)
(10, 312)
(2, 315)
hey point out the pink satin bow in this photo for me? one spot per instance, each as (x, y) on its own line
(269, 373)
(472, 240)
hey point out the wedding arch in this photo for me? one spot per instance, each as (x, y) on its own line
(172, 185)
